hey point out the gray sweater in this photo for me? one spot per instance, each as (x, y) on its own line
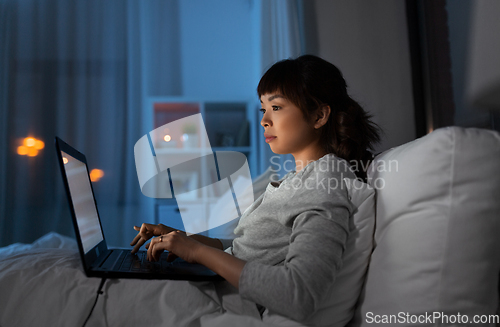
(293, 237)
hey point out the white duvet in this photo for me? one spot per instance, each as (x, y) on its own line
(43, 284)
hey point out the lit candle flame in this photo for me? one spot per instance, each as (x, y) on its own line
(29, 142)
(22, 150)
(31, 146)
(96, 175)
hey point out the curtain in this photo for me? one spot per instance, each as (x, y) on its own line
(79, 70)
(281, 37)
(483, 88)
(83, 70)
(5, 22)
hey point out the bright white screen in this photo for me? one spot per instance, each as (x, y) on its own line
(83, 202)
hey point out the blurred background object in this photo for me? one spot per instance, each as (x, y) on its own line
(97, 73)
(483, 79)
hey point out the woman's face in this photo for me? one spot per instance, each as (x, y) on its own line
(286, 129)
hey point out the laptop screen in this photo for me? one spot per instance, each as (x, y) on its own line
(83, 201)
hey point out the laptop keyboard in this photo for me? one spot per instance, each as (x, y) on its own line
(139, 262)
(124, 261)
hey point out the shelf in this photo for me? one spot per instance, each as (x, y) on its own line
(180, 151)
(201, 151)
(167, 112)
(230, 126)
(233, 148)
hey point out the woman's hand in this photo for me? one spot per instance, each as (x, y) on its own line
(177, 243)
(203, 250)
(147, 231)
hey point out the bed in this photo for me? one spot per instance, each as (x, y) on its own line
(43, 284)
(433, 247)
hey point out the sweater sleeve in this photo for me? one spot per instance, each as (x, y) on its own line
(296, 288)
(226, 243)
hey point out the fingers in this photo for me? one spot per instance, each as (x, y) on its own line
(158, 245)
(157, 251)
(138, 245)
(171, 257)
(136, 239)
(155, 248)
(141, 237)
(178, 245)
(150, 248)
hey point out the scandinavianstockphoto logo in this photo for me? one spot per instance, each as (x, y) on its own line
(341, 166)
(176, 161)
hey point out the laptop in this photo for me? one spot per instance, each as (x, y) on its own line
(98, 260)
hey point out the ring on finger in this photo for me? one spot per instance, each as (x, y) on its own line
(161, 238)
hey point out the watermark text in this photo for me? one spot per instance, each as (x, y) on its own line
(438, 318)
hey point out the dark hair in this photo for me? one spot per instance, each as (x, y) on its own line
(310, 82)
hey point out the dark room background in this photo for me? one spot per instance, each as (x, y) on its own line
(89, 71)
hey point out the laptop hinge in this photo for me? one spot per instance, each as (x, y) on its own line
(101, 259)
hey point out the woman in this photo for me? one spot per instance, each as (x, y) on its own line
(290, 241)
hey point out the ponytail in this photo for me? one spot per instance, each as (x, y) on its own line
(351, 135)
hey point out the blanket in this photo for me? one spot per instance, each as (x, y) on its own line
(43, 284)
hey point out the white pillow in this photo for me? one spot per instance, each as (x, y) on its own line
(437, 238)
(338, 307)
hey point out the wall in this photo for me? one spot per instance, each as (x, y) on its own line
(459, 24)
(216, 49)
(368, 41)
